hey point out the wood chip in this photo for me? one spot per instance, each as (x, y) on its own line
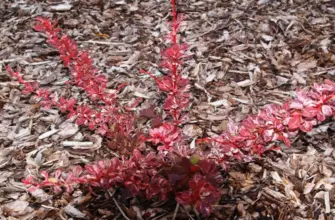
(47, 134)
(245, 83)
(61, 7)
(76, 143)
(327, 202)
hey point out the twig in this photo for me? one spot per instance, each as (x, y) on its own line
(49, 207)
(120, 52)
(10, 60)
(238, 71)
(106, 43)
(327, 203)
(175, 212)
(323, 71)
(110, 193)
(38, 63)
(76, 143)
(196, 214)
(120, 209)
(159, 216)
(187, 213)
(116, 217)
(202, 34)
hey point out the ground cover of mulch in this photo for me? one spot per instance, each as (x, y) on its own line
(244, 54)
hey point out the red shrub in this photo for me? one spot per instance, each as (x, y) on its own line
(274, 123)
(176, 171)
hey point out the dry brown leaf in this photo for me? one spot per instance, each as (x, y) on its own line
(17, 208)
(74, 212)
(307, 65)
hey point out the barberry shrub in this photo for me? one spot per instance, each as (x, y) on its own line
(274, 124)
(106, 117)
(172, 170)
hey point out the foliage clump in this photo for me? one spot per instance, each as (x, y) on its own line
(172, 169)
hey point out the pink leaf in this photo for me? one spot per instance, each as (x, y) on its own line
(45, 175)
(296, 105)
(306, 126)
(310, 112)
(327, 110)
(268, 135)
(321, 117)
(58, 174)
(294, 122)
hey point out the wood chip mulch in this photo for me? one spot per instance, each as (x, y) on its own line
(245, 54)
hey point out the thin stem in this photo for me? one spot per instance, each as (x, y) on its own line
(120, 209)
(175, 22)
(175, 43)
(175, 212)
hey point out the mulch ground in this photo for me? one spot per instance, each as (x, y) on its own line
(243, 55)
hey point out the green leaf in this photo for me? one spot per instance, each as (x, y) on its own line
(195, 159)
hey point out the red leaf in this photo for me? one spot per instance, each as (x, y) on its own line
(310, 112)
(294, 122)
(204, 208)
(306, 126)
(268, 135)
(327, 110)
